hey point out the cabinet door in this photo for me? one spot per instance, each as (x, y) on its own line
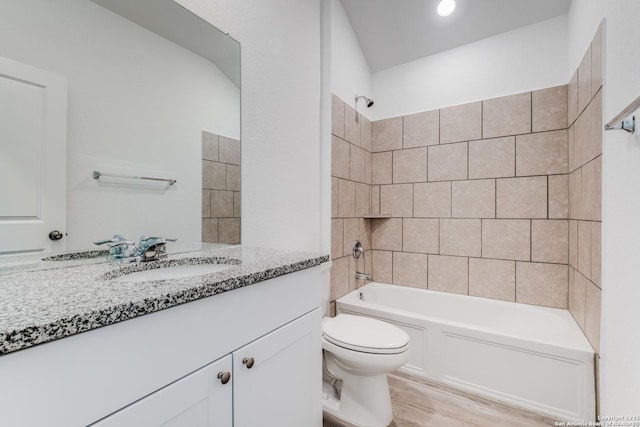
(282, 387)
(197, 400)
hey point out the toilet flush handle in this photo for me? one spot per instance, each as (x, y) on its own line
(248, 362)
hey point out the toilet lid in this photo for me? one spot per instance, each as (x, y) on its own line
(365, 334)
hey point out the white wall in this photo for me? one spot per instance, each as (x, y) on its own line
(281, 98)
(620, 328)
(521, 60)
(350, 74)
(325, 134)
(120, 77)
(584, 19)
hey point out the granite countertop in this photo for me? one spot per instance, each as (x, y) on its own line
(40, 303)
(39, 262)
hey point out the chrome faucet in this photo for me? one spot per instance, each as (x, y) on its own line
(358, 250)
(364, 276)
(152, 248)
(119, 247)
(147, 249)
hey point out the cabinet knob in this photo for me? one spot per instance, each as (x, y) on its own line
(248, 362)
(224, 377)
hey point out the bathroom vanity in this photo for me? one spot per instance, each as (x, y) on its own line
(228, 348)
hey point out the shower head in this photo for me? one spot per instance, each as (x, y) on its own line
(369, 101)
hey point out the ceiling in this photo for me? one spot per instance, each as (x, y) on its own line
(392, 32)
(168, 19)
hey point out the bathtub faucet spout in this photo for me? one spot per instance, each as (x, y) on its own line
(364, 276)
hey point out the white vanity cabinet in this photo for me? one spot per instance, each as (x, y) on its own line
(161, 368)
(279, 389)
(198, 400)
(270, 383)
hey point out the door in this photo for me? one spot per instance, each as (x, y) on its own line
(197, 400)
(278, 378)
(33, 140)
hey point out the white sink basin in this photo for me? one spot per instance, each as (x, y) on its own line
(174, 272)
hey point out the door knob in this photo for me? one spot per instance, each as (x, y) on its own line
(224, 377)
(55, 235)
(248, 362)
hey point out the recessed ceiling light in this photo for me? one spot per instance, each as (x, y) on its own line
(446, 7)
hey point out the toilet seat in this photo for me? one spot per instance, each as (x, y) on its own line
(365, 335)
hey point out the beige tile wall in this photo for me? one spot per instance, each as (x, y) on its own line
(220, 189)
(499, 198)
(351, 173)
(478, 195)
(585, 191)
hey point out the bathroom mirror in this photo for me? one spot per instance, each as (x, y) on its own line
(152, 91)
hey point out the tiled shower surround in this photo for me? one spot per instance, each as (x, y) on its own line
(478, 195)
(497, 198)
(350, 196)
(585, 190)
(220, 189)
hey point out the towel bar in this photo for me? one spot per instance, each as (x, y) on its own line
(97, 175)
(625, 120)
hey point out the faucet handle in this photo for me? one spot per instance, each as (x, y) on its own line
(152, 248)
(117, 238)
(156, 239)
(119, 246)
(357, 249)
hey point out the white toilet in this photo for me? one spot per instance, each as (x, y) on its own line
(358, 353)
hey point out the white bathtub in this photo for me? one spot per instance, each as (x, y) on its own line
(529, 356)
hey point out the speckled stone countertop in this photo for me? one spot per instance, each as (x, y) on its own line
(39, 262)
(40, 303)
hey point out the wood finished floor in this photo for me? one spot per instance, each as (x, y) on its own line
(422, 403)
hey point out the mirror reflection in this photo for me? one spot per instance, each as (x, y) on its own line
(144, 89)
